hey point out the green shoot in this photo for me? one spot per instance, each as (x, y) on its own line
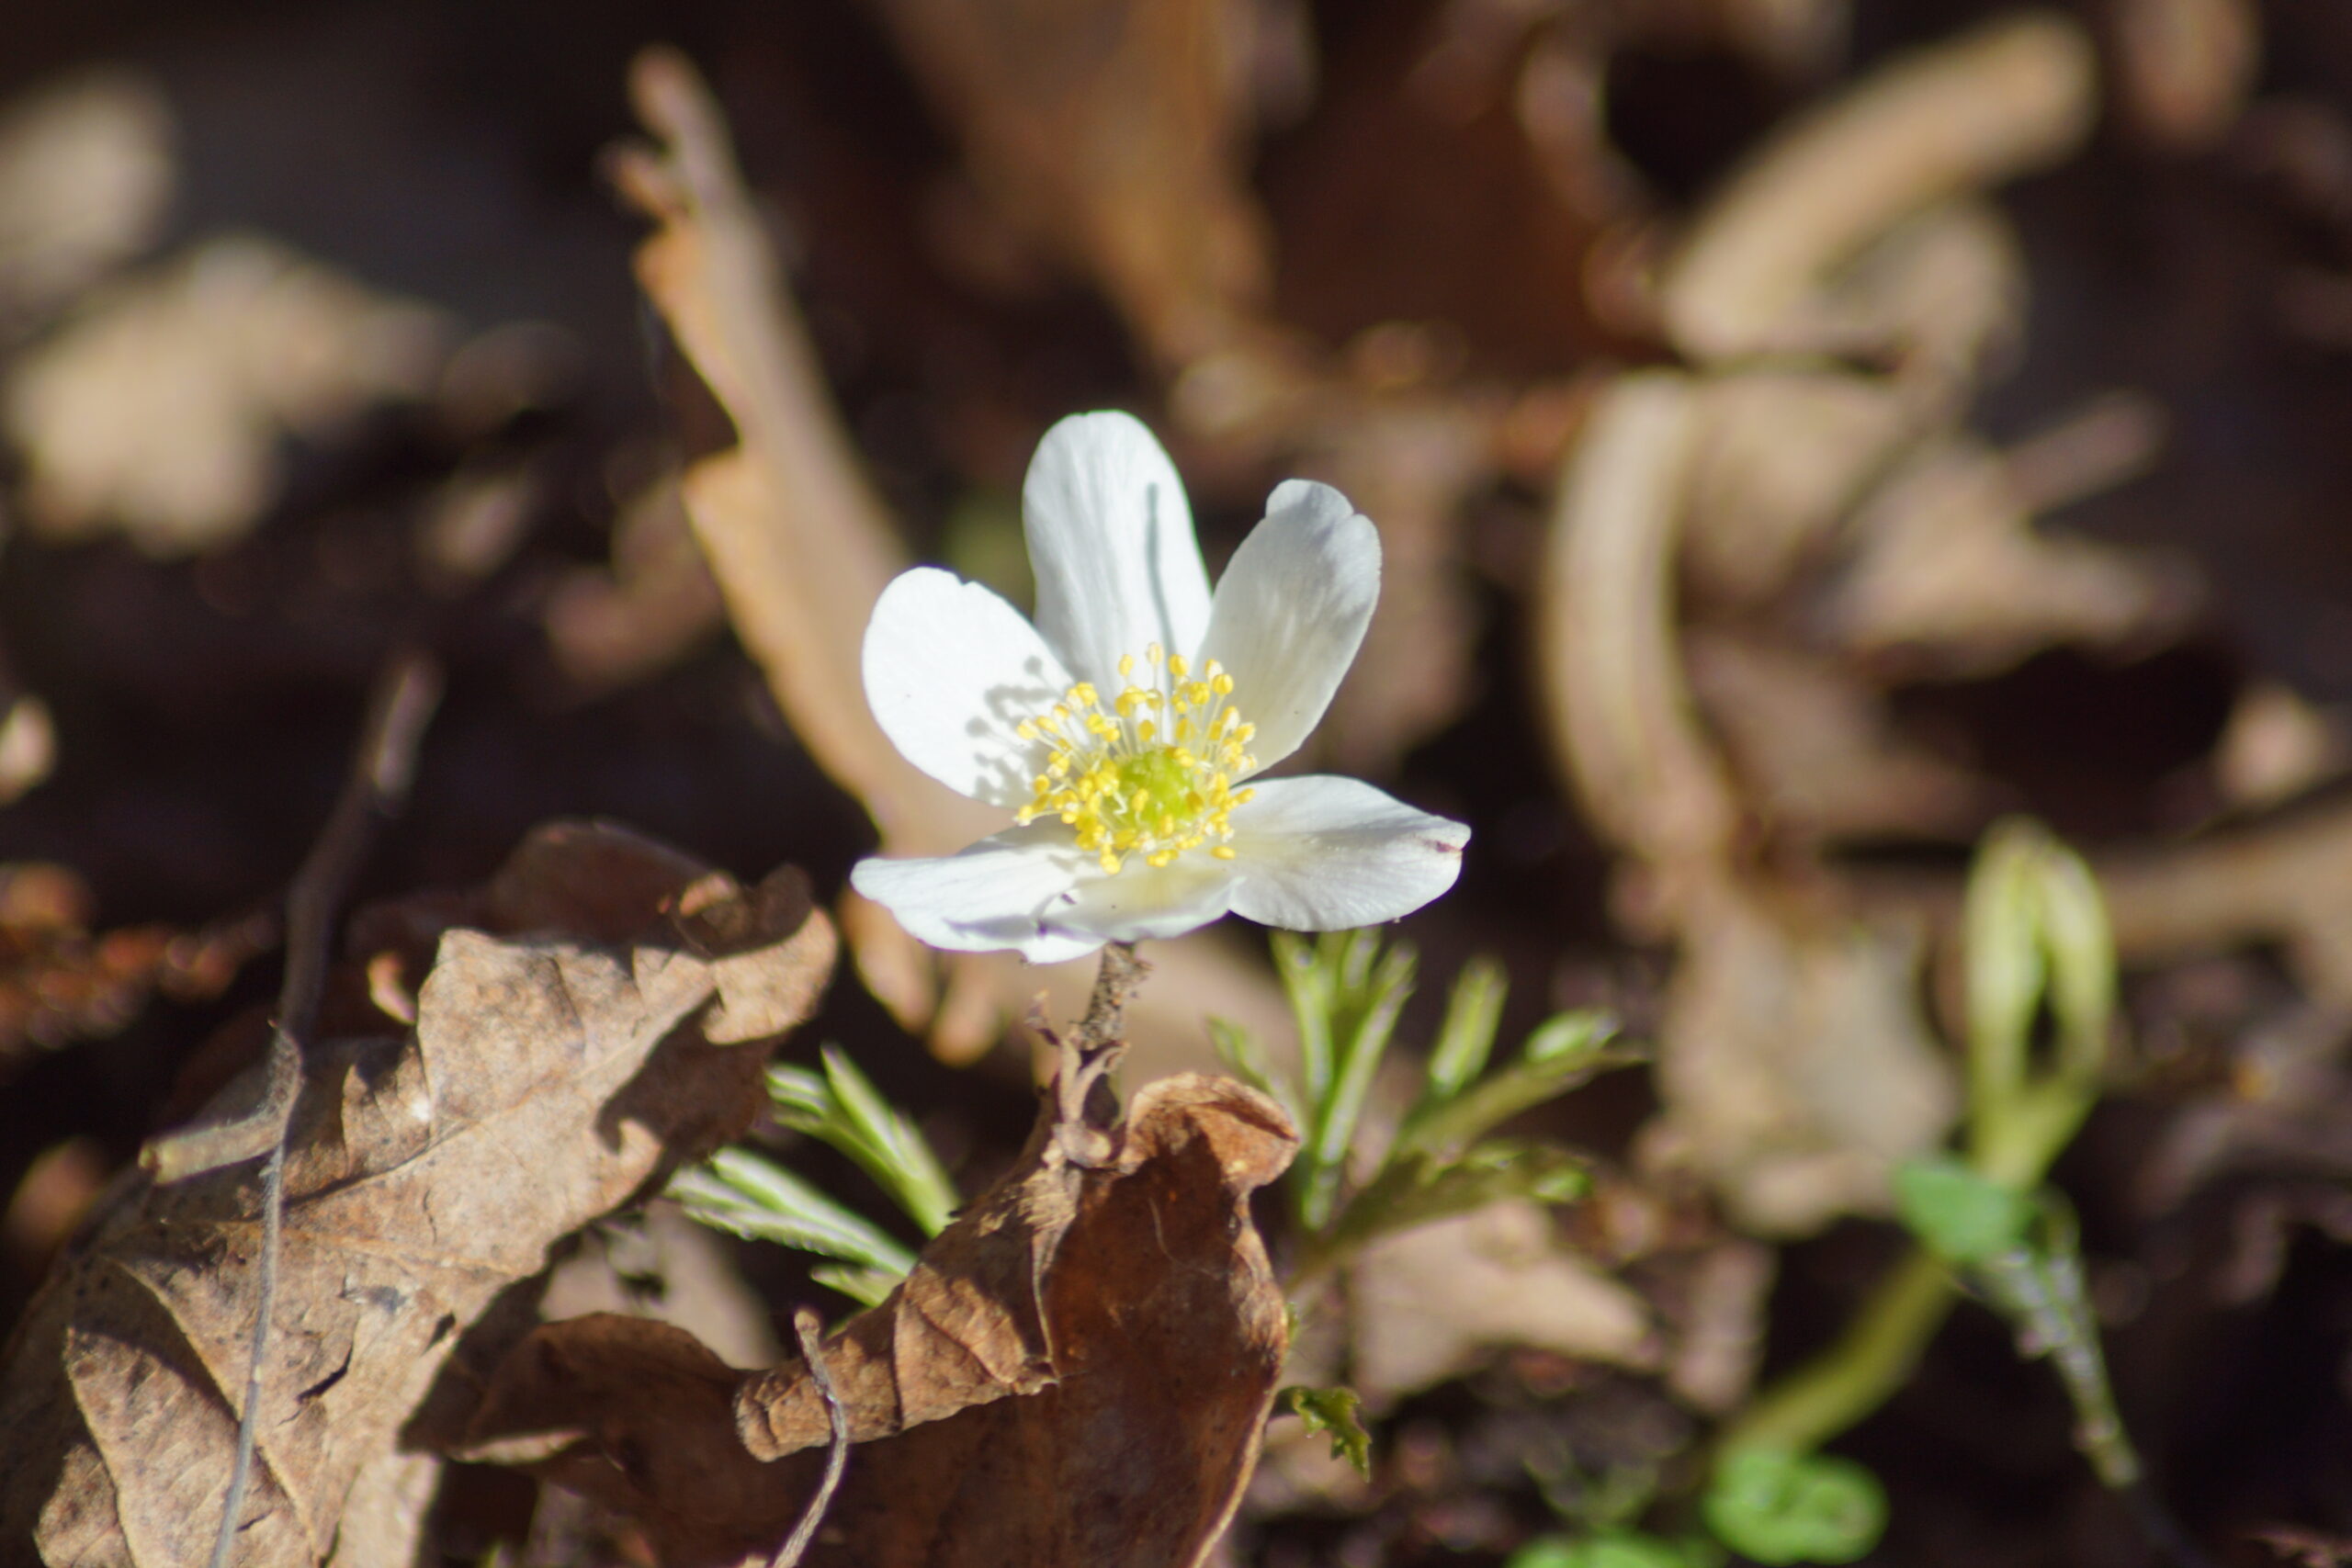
(1332, 1410)
(744, 1193)
(841, 1107)
(749, 1195)
(2038, 946)
(1346, 989)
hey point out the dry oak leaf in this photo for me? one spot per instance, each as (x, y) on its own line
(550, 1076)
(1078, 1372)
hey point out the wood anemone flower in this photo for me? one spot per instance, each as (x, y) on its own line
(1124, 728)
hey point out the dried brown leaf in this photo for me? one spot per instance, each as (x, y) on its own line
(86, 182)
(1793, 1065)
(1946, 561)
(59, 981)
(1116, 133)
(1077, 1373)
(159, 407)
(2010, 96)
(1796, 1069)
(551, 1076)
(1434, 1300)
(1817, 749)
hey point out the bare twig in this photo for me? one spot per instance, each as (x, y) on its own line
(403, 702)
(811, 1333)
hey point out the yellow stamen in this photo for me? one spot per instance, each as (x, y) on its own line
(1151, 771)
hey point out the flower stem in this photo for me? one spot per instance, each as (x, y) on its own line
(1115, 982)
(1872, 1358)
(1089, 1107)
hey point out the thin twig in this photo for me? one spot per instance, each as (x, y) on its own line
(810, 1332)
(384, 766)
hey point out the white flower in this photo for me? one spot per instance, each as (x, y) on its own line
(1122, 727)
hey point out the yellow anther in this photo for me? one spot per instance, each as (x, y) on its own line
(1146, 774)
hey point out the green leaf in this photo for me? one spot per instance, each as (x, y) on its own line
(1474, 1010)
(1371, 988)
(2005, 960)
(1611, 1549)
(1414, 1189)
(894, 1153)
(1963, 1216)
(1245, 1058)
(842, 1108)
(1779, 1508)
(1333, 1410)
(740, 1192)
(866, 1287)
(2082, 963)
(1561, 1054)
(1309, 985)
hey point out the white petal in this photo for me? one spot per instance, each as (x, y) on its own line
(950, 670)
(1291, 611)
(985, 898)
(1111, 543)
(1033, 889)
(1143, 902)
(1323, 852)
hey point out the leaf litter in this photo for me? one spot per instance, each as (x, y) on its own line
(590, 1021)
(1076, 1371)
(1751, 680)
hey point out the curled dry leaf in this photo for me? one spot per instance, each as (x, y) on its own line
(1782, 458)
(1076, 1373)
(1793, 1065)
(2284, 881)
(158, 408)
(553, 1073)
(612, 625)
(2011, 96)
